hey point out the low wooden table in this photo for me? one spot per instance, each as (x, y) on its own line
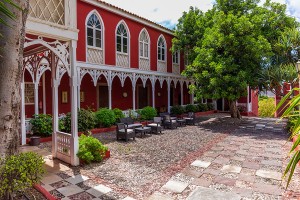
(143, 130)
(181, 122)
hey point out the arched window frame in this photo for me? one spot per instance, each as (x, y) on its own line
(122, 22)
(161, 49)
(144, 46)
(101, 29)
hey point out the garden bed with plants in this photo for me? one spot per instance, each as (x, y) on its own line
(104, 120)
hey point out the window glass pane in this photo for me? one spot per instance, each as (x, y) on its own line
(98, 43)
(118, 47)
(125, 48)
(159, 54)
(141, 49)
(125, 41)
(118, 40)
(146, 50)
(90, 41)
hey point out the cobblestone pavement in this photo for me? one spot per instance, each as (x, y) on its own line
(220, 158)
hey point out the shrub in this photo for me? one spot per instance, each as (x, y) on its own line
(210, 106)
(42, 125)
(148, 113)
(291, 123)
(266, 107)
(190, 108)
(20, 172)
(86, 121)
(118, 114)
(202, 107)
(177, 110)
(91, 149)
(105, 117)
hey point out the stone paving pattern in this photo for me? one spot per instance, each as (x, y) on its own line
(245, 164)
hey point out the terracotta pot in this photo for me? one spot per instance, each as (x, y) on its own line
(35, 140)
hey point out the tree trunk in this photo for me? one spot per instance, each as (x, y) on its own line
(234, 111)
(11, 62)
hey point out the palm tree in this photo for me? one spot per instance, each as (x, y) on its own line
(13, 15)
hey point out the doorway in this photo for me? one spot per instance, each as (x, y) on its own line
(103, 96)
(143, 99)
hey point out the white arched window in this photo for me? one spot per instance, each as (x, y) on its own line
(94, 31)
(122, 39)
(161, 49)
(176, 56)
(144, 44)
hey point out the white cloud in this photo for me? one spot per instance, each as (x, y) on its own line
(167, 12)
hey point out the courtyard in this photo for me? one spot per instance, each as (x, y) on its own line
(218, 158)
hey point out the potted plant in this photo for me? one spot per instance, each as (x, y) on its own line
(41, 127)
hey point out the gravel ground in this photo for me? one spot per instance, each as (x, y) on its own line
(140, 167)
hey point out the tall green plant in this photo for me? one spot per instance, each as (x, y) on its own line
(291, 110)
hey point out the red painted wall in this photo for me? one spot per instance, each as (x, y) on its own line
(110, 21)
(90, 93)
(254, 97)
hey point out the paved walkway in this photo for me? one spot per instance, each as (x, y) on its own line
(247, 164)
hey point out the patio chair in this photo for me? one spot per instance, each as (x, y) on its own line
(169, 122)
(190, 119)
(156, 125)
(124, 133)
(129, 122)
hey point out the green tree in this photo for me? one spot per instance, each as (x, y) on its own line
(236, 41)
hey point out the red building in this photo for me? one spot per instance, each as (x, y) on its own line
(90, 54)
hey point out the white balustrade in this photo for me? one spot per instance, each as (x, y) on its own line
(63, 146)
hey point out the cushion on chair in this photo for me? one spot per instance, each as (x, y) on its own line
(153, 124)
(128, 130)
(188, 118)
(173, 121)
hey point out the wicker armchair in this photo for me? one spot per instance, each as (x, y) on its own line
(170, 123)
(129, 122)
(156, 125)
(190, 119)
(124, 133)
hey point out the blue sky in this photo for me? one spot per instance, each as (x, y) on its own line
(167, 12)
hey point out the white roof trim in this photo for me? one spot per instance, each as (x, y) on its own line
(119, 11)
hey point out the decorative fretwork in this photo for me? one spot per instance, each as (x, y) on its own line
(144, 64)
(122, 60)
(144, 78)
(122, 76)
(48, 10)
(95, 56)
(176, 69)
(61, 51)
(94, 73)
(161, 66)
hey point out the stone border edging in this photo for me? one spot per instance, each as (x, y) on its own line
(44, 192)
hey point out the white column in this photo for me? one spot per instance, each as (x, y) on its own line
(133, 91)
(133, 97)
(169, 98)
(74, 109)
(215, 104)
(109, 90)
(44, 93)
(153, 94)
(23, 128)
(248, 96)
(181, 90)
(36, 98)
(54, 106)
